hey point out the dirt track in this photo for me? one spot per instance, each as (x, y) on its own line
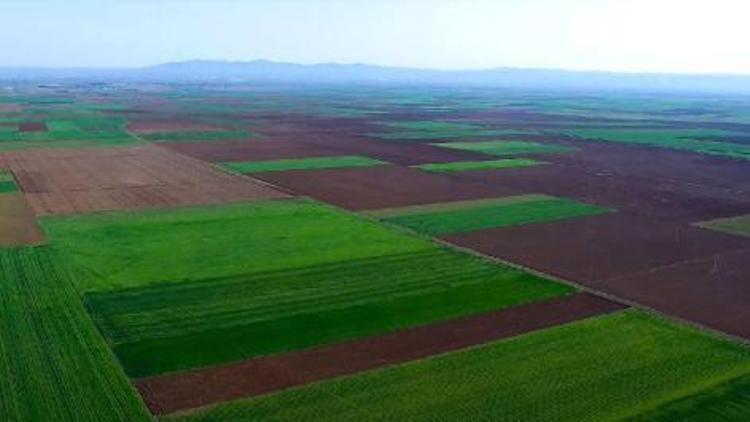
(66, 181)
(195, 388)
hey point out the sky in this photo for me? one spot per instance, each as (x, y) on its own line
(676, 36)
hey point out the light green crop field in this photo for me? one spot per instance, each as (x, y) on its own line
(509, 147)
(696, 140)
(479, 165)
(54, 365)
(172, 327)
(734, 225)
(198, 136)
(605, 368)
(433, 125)
(302, 164)
(484, 214)
(127, 249)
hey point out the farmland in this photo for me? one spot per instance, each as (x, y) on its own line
(190, 252)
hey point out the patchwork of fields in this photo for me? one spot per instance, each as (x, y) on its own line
(190, 253)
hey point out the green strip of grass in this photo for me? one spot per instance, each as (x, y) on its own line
(479, 165)
(301, 164)
(54, 364)
(455, 205)
(734, 225)
(196, 136)
(509, 147)
(599, 369)
(495, 215)
(696, 140)
(433, 125)
(8, 186)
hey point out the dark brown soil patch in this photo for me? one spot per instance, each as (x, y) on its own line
(195, 388)
(32, 127)
(18, 226)
(381, 186)
(66, 181)
(150, 126)
(600, 247)
(250, 151)
(713, 291)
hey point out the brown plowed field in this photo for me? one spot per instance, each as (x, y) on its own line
(18, 226)
(10, 107)
(32, 127)
(150, 126)
(599, 247)
(381, 186)
(66, 181)
(169, 393)
(265, 149)
(713, 291)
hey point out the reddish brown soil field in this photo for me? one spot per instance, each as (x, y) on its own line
(195, 388)
(381, 186)
(150, 126)
(66, 181)
(713, 291)
(218, 152)
(18, 226)
(10, 107)
(594, 248)
(32, 127)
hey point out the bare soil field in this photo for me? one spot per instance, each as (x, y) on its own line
(151, 126)
(595, 248)
(32, 127)
(712, 291)
(222, 151)
(18, 226)
(195, 388)
(66, 181)
(10, 107)
(381, 186)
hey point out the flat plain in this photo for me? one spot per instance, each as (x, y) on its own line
(195, 252)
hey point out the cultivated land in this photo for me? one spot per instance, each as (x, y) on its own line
(143, 277)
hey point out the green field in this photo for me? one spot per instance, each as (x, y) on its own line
(433, 126)
(290, 274)
(606, 368)
(479, 165)
(734, 225)
(54, 365)
(301, 164)
(7, 182)
(127, 249)
(174, 327)
(198, 136)
(704, 141)
(455, 133)
(484, 214)
(509, 147)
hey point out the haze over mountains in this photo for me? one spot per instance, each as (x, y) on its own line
(283, 72)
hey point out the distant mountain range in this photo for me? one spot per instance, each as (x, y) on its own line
(280, 72)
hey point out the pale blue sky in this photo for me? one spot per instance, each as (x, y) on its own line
(625, 35)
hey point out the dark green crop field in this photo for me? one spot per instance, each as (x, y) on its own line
(302, 164)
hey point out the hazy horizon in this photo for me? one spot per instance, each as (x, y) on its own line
(667, 36)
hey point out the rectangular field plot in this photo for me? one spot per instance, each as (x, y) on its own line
(734, 225)
(18, 225)
(54, 364)
(479, 165)
(290, 274)
(704, 141)
(198, 135)
(568, 368)
(69, 181)
(7, 182)
(509, 147)
(302, 164)
(487, 213)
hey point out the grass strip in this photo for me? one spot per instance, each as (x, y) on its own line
(301, 164)
(506, 147)
(479, 165)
